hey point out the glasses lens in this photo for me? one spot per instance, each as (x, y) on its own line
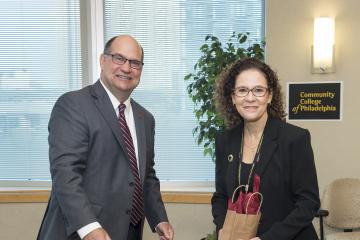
(118, 59)
(241, 92)
(259, 91)
(135, 64)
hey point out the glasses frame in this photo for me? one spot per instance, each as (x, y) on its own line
(250, 90)
(131, 61)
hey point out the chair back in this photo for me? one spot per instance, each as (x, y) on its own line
(342, 199)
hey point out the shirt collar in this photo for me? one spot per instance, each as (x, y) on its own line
(114, 101)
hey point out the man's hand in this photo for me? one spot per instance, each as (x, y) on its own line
(165, 231)
(97, 234)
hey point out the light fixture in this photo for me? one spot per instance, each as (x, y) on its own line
(323, 54)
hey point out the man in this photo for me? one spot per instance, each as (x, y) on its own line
(102, 156)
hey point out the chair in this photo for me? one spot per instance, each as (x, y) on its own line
(340, 209)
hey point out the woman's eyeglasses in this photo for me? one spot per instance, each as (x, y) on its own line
(244, 91)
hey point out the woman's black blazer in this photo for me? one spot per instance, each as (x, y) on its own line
(288, 180)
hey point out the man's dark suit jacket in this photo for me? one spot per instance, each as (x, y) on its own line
(288, 180)
(91, 176)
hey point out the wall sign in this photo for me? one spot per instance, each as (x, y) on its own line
(314, 101)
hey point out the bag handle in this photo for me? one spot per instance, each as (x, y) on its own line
(236, 189)
(261, 201)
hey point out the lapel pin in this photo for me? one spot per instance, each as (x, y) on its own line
(230, 158)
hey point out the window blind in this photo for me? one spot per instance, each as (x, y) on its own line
(171, 33)
(39, 60)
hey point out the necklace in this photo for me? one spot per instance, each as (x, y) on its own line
(256, 159)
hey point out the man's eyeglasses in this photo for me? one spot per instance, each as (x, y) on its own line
(118, 59)
(256, 91)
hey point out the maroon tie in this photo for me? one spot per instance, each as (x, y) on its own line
(137, 204)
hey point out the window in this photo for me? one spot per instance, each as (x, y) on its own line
(171, 33)
(40, 59)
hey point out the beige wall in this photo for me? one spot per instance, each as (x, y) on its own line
(336, 144)
(21, 221)
(289, 32)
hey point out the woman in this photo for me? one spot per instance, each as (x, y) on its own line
(258, 142)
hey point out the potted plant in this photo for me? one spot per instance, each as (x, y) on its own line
(215, 57)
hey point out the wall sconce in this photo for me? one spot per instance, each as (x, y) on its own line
(323, 50)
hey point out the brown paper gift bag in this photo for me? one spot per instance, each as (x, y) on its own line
(241, 225)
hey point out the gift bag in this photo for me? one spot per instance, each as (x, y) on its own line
(240, 223)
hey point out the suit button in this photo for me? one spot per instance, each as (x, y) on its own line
(128, 212)
(131, 184)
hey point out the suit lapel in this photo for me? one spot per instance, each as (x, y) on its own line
(234, 150)
(103, 104)
(141, 138)
(268, 146)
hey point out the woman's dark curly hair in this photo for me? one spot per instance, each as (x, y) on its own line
(225, 85)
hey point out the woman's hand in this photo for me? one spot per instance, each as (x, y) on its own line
(257, 238)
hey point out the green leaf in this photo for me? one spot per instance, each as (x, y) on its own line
(214, 39)
(204, 48)
(243, 39)
(187, 77)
